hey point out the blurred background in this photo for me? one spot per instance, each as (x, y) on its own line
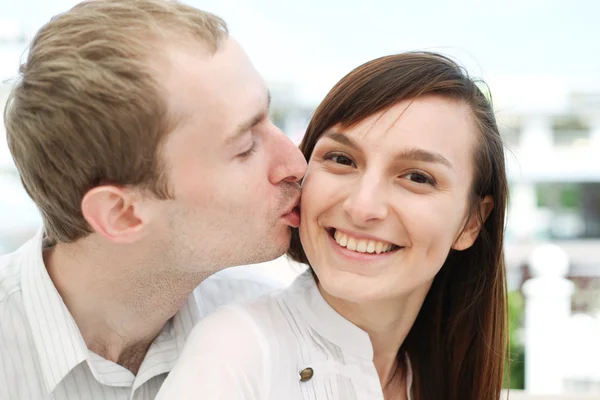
(541, 61)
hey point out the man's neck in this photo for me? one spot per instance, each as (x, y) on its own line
(119, 301)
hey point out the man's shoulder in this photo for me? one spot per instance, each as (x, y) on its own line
(10, 274)
(233, 286)
(14, 326)
(19, 365)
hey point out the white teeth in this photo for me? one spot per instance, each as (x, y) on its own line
(343, 241)
(351, 244)
(371, 246)
(361, 245)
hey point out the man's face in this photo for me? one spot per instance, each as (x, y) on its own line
(233, 174)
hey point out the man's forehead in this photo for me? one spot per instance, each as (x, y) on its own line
(195, 80)
(260, 113)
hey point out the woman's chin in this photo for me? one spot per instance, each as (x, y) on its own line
(353, 289)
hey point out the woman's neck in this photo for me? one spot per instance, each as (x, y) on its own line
(387, 322)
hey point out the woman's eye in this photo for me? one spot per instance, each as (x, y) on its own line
(420, 178)
(340, 159)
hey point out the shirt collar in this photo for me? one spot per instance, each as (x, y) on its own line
(57, 339)
(166, 348)
(331, 325)
(325, 320)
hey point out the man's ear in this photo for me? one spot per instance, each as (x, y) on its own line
(113, 212)
(471, 231)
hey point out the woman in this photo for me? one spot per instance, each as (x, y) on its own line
(402, 211)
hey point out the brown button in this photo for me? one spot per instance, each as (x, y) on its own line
(306, 374)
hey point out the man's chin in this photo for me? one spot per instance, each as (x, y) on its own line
(271, 255)
(274, 249)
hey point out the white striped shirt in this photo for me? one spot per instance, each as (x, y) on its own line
(44, 356)
(258, 351)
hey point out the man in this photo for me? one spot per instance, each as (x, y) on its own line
(140, 130)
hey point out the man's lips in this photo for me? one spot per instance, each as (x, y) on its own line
(294, 205)
(292, 214)
(293, 217)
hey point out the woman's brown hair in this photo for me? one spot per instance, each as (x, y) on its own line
(457, 345)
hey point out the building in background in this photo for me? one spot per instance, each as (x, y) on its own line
(554, 171)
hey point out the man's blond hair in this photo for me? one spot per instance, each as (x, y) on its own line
(88, 109)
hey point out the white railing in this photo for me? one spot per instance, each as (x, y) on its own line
(521, 395)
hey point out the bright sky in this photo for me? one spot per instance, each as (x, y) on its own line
(512, 43)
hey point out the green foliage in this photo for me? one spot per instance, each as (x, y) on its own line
(569, 123)
(514, 376)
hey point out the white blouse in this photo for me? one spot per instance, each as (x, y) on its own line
(287, 345)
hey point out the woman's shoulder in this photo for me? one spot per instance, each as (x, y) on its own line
(231, 323)
(227, 343)
(249, 320)
(271, 307)
(262, 322)
(226, 356)
(240, 351)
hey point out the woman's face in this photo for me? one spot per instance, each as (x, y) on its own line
(384, 201)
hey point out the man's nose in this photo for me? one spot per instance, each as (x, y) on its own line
(289, 163)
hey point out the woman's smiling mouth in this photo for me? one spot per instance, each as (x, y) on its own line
(361, 244)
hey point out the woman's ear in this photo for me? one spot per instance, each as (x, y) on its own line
(471, 231)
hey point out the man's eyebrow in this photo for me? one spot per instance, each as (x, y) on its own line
(414, 154)
(247, 125)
